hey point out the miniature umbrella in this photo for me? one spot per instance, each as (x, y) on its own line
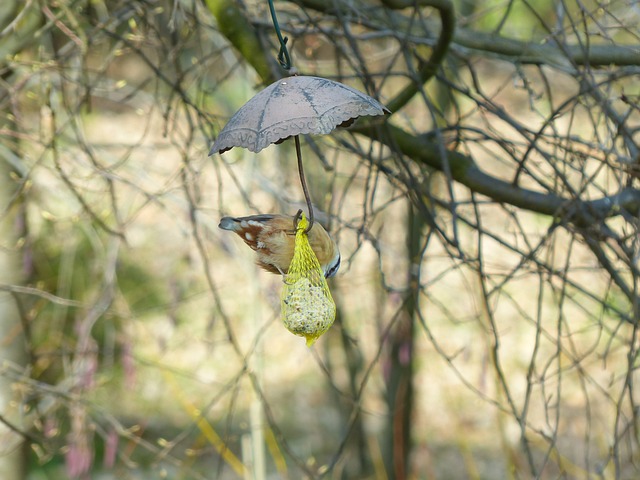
(294, 106)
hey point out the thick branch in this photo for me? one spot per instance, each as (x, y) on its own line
(233, 24)
(380, 18)
(548, 54)
(465, 171)
(429, 69)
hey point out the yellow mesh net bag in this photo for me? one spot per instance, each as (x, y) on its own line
(308, 309)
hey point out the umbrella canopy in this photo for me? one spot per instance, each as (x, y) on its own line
(294, 106)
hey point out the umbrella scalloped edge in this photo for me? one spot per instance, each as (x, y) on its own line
(255, 141)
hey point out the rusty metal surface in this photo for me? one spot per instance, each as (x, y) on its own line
(294, 106)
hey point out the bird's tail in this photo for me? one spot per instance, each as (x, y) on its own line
(236, 224)
(229, 223)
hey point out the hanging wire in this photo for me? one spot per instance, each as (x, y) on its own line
(305, 189)
(283, 55)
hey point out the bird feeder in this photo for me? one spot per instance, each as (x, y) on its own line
(290, 107)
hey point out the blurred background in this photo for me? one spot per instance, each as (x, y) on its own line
(488, 294)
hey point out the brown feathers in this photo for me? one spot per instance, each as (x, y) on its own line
(272, 237)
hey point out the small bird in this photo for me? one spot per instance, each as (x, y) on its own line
(272, 237)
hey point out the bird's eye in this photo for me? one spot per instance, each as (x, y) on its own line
(334, 269)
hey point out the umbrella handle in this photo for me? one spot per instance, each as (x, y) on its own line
(283, 55)
(303, 181)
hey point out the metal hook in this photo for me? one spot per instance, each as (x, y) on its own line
(296, 219)
(283, 55)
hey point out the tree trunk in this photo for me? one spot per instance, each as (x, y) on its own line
(397, 441)
(12, 347)
(17, 26)
(12, 351)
